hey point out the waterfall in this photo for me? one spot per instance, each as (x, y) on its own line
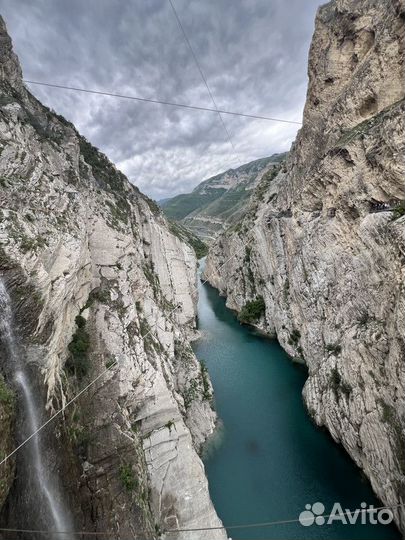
(58, 518)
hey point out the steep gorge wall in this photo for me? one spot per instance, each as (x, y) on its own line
(323, 242)
(98, 281)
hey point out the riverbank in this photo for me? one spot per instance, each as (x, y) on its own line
(269, 460)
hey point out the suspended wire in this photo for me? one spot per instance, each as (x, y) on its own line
(143, 337)
(160, 102)
(281, 521)
(179, 530)
(109, 368)
(204, 79)
(263, 524)
(176, 307)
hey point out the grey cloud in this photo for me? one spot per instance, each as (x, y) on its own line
(253, 53)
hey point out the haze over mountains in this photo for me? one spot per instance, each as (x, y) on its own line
(219, 201)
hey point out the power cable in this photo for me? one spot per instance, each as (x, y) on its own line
(263, 524)
(204, 79)
(160, 102)
(109, 368)
(354, 134)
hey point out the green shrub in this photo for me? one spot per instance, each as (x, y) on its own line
(78, 363)
(335, 379)
(399, 210)
(110, 362)
(363, 318)
(253, 310)
(334, 348)
(80, 437)
(6, 394)
(205, 381)
(338, 384)
(154, 207)
(97, 295)
(191, 392)
(27, 244)
(265, 182)
(127, 477)
(199, 247)
(80, 321)
(294, 337)
(286, 289)
(248, 252)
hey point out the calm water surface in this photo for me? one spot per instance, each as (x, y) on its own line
(271, 460)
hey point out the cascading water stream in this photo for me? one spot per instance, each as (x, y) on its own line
(59, 519)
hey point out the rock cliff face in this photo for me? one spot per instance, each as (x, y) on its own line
(98, 282)
(319, 260)
(7, 443)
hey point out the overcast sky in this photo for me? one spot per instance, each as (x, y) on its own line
(252, 52)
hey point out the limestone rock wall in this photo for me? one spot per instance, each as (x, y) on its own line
(323, 242)
(98, 282)
(7, 442)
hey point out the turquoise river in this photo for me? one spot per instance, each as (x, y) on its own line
(269, 460)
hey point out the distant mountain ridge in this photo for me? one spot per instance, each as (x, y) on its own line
(219, 201)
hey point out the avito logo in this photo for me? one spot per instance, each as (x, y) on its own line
(315, 513)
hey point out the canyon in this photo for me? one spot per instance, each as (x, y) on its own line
(98, 295)
(99, 290)
(318, 260)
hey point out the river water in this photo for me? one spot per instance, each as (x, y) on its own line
(269, 460)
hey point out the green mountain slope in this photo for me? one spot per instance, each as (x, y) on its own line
(220, 201)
